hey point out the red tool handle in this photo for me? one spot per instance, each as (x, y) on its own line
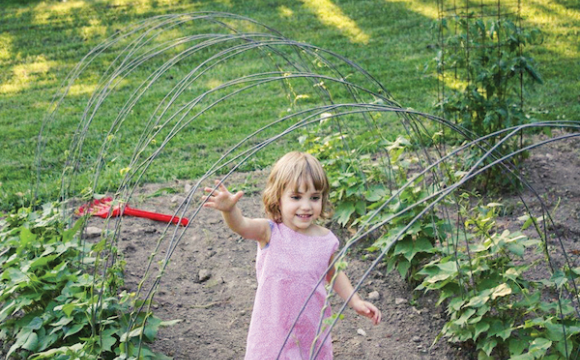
(155, 216)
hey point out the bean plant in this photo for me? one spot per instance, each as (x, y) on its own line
(492, 299)
(489, 66)
(361, 187)
(54, 305)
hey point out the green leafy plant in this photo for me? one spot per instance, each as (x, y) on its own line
(491, 301)
(357, 180)
(488, 56)
(418, 243)
(489, 64)
(53, 306)
(358, 190)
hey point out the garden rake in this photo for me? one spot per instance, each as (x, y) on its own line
(104, 208)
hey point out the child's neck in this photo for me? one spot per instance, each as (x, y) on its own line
(312, 230)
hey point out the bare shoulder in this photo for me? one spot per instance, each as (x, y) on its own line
(254, 229)
(263, 232)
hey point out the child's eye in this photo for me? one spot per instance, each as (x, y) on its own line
(295, 197)
(316, 198)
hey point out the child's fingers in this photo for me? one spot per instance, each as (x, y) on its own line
(373, 313)
(238, 196)
(220, 185)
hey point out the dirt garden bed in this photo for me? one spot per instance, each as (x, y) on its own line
(210, 282)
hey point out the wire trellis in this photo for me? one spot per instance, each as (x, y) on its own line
(263, 63)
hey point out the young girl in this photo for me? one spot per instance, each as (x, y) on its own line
(293, 253)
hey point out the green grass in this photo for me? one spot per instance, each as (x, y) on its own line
(41, 42)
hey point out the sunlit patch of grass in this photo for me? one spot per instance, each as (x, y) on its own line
(6, 46)
(44, 12)
(285, 11)
(213, 83)
(427, 9)
(331, 15)
(24, 74)
(559, 23)
(227, 3)
(244, 26)
(94, 30)
(82, 89)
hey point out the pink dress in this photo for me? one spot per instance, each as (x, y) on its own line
(287, 269)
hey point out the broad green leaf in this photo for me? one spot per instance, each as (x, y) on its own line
(500, 329)
(423, 245)
(21, 339)
(131, 334)
(47, 340)
(526, 356)
(481, 355)
(26, 237)
(361, 207)
(107, 342)
(31, 343)
(62, 322)
(73, 329)
(564, 347)
(488, 345)
(69, 234)
(151, 327)
(437, 278)
(403, 267)
(403, 246)
(48, 249)
(511, 274)
(69, 308)
(516, 346)
(516, 248)
(479, 300)
(479, 328)
(15, 275)
(559, 278)
(42, 261)
(375, 193)
(455, 304)
(501, 290)
(49, 354)
(100, 246)
(540, 345)
(343, 212)
(35, 324)
(462, 321)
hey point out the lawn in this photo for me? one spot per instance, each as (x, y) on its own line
(41, 42)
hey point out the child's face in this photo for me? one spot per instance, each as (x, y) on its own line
(300, 209)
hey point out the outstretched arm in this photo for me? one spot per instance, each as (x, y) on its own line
(344, 289)
(221, 199)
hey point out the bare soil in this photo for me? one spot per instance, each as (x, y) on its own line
(210, 282)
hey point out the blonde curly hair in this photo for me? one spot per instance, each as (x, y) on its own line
(293, 170)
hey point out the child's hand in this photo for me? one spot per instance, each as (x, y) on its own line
(221, 199)
(367, 309)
